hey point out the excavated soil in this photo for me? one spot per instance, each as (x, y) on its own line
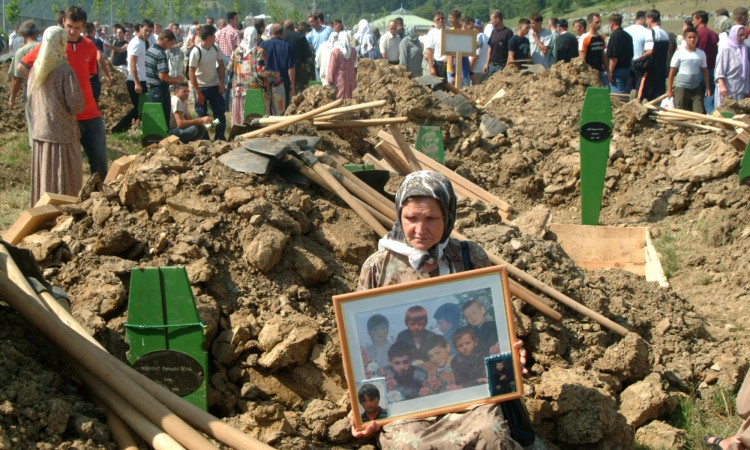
(265, 255)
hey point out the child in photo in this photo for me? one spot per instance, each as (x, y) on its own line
(377, 350)
(369, 399)
(503, 381)
(448, 316)
(486, 330)
(439, 353)
(468, 365)
(416, 332)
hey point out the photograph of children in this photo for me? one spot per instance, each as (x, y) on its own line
(468, 365)
(501, 374)
(372, 404)
(375, 353)
(485, 328)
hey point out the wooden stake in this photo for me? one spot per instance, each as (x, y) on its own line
(360, 123)
(405, 148)
(327, 115)
(290, 121)
(688, 124)
(393, 158)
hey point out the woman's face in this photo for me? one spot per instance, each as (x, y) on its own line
(423, 222)
(741, 35)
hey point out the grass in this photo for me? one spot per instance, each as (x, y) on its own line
(712, 416)
(666, 245)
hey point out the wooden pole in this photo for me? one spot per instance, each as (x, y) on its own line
(359, 123)
(405, 148)
(378, 164)
(290, 121)
(688, 124)
(394, 159)
(327, 115)
(363, 194)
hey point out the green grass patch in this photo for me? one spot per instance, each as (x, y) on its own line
(666, 245)
(712, 416)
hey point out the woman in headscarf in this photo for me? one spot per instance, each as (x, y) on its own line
(324, 55)
(55, 99)
(410, 52)
(419, 247)
(248, 67)
(732, 68)
(341, 67)
(366, 47)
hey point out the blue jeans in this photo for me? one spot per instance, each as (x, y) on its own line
(216, 100)
(159, 93)
(227, 82)
(708, 102)
(94, 143)
(189, 134)
(603, 79)
(620, 80)
(494, 67)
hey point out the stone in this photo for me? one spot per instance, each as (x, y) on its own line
(731, 371)
(275, 386)
(646, 400)
(662, 327)
(266, 249)
(340, 432)
(658, 434)
(139, 192)
(627, 360)
(114, 242)
(533, 222)
(287, 341)
(42, 244)
(312, 269)
(200, 271)
(343, 244)
(185, 206)
(230, 344)
(320, 414)
(235, 196)
(491, 127)
(703, 159)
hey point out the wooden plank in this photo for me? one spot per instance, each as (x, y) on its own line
(378, 164)
(405, 148)
(599, 243)
(119, 167)
(30, 221)
(391, 155)
(50, 198)
(654, 270)
(169, 140)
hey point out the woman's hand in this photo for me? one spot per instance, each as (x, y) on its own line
(518, 345)
(370, 430)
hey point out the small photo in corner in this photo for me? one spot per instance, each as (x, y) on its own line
(501, 377)
(372, 399)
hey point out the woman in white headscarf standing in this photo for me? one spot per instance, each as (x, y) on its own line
(324, 55)
(366, 47)
(732, 67)
(342, 72)
(55, 99)
(249, 68)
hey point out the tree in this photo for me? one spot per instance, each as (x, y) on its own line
(12, 11)
(96, 10)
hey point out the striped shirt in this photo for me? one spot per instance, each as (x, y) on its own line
(156, 62)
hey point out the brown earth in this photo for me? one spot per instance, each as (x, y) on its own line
(265, 256)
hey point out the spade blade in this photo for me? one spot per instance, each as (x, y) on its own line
(275, 148)
(244, 161)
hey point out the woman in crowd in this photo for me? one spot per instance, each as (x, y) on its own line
(342, 71)
(732, 68)
(55, 99)
(365, 41)
(248, 67)
(419, 247)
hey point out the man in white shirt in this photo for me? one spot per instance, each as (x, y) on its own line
(389, 43)
(433, 49)
(479, 60)
(657, 48)
(639, 33)
(136, 82)
(205, 78)
(540, 40)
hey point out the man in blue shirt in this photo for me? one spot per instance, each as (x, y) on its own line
(280, 58)
(317, 36)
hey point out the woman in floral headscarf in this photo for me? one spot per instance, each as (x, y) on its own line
(55, 99)
(249, 69)
(419, 247)
(732, 68)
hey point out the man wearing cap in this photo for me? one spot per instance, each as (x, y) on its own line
(566, 44)
(479, 60)
(497, 46)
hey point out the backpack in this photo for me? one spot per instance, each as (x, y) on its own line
(514, 410)
(200, 51)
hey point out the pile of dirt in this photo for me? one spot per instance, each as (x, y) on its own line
(264, 256)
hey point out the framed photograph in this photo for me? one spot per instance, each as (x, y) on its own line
(429, 347)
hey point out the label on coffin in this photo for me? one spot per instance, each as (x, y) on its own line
(177, 371)
(596, 131)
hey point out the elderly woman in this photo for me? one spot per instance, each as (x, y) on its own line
(55, 99)
(418, 247)
(732, 68)
(342, 71)
(248, 67)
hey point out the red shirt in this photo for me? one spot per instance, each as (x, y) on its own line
(708, 41)
(82, 58)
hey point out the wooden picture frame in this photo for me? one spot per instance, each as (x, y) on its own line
(377, 328)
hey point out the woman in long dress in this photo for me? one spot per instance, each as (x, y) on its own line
(249, 69)
(55, 99)
(732, 67)
(342, 72)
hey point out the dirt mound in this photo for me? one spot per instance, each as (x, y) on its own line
(264, 257)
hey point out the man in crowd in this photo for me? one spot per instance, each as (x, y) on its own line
(554, 23)
(210, 21)
(228, 39)
(136, 81)
(638, 32)
(389, 43)
(592, 48)
(180, 123)
(119, 49)
(400, 27)
(81, 55)
(96, 84)
(15, 40)
(280, 58)
(579, 28)
(519, 45)
(29, 33)
(157, 71)
(620, 54)
(207, 81)
(301, 52)
(653, 83)
(540, 41)
(708, 41)
(433, 47)
(498, 44)
(317, 36)
(566, 45)
(479, 60)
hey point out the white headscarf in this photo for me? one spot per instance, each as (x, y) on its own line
(249, 38)
(53, 53)
(364, 37)
(342, 43)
